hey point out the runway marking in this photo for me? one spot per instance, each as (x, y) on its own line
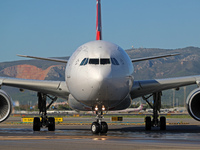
(122, 123)
(30, 120)
(93, 137)
(182, 123)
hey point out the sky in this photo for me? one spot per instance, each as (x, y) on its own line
(56, 28)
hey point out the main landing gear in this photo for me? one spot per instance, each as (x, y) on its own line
(99, 126)
(45, 121)
(156, 108)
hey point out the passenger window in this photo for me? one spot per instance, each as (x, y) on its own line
(84, 62)
(114, 61)
(104, 61)
(94, 61)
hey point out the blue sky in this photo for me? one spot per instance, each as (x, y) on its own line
(55, 28)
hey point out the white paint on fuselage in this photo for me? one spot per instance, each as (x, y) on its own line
(99, 84)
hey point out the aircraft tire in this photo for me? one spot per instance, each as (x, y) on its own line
(104, 127)
(162, 123)
(36, 124)
(95, 128)
(51, 125)
(148, 123)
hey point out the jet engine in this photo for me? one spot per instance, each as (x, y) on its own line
(5, 106)
(193, 104)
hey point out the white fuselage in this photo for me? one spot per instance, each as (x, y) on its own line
(99, 73)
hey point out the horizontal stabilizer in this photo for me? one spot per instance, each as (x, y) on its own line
(49, 59)
(153, 57)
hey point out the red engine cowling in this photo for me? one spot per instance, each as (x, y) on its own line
(193, 104)
(5, 106)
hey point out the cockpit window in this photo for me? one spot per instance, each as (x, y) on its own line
(114, 61)
(104, 61)
(84, 62)
(94, 61)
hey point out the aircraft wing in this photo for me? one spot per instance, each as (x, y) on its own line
(145, 87)
(41, 58)
(55, 88)
(153, 57)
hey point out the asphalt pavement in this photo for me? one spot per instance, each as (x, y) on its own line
(129, 134)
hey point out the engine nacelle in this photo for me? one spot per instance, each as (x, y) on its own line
(193, 104)
(5, 106)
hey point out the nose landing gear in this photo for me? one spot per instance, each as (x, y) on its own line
(99, 126)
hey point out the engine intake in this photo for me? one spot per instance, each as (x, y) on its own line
(5, 106)
(193, 104)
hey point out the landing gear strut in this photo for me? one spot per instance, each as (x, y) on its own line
(45, 121)
(99, 126)
(156, 108)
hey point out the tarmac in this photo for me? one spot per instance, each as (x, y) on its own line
(75, 134)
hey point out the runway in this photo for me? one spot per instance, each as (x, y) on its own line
(21, 136)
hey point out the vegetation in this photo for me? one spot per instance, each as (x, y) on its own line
(28, 107)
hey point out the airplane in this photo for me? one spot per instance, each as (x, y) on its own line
(99, 77)
(129, 110)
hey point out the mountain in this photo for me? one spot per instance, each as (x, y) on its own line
(187, 63)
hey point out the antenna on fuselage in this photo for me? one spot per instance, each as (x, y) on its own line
(98, 21)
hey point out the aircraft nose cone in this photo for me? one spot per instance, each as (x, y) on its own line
(99, 83)
(102, 86)
(107, 88)
(102, 75)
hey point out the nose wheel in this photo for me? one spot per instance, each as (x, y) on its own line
(95, 127)
(104, 127)
(99, 126)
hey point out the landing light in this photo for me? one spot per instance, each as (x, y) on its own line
(103, 108)
(96, 108)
